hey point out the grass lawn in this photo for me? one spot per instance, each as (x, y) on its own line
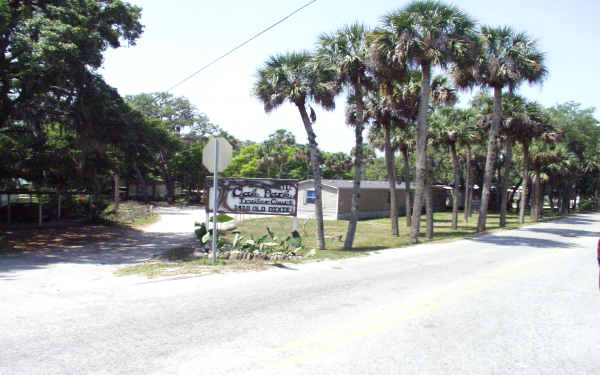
(371, 234)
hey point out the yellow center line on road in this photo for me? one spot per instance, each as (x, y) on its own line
(366, 326)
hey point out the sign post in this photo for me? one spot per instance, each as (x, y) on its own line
(216, 156)
(215, 213)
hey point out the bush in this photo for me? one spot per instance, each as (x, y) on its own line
(588, 205)
(201, 231)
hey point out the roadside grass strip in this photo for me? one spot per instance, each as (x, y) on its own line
(365, 326)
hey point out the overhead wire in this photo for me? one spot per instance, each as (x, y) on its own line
(241, 45)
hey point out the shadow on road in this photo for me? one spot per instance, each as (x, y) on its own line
(522, 241)
(564, 232)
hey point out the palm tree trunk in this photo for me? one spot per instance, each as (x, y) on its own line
(358, 130)
(454, 159)
(429, 198)
(504, 182)
(541, 188)
(525, 182)
(468, 188)
(420, 173)
(391, 172)
(314, 156)
(407, 199)
(490, 159)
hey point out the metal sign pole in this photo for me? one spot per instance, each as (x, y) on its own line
(215, 192)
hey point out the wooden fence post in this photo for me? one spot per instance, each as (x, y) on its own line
(8, 213)
(39, 210)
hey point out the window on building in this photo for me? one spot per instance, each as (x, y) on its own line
(309, 198)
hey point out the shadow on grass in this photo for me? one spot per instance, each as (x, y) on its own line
(362, 249)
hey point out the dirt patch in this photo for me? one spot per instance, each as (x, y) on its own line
(58, 236)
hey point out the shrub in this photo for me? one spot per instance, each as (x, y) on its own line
(588, 205)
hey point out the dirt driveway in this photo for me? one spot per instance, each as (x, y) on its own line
(71, 264)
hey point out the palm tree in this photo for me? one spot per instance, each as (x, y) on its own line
(507, 60)
(427, 34)
(530, 125)
(302, 154)
(451, 128)
(346, 52)
(384, 136)
(514, 119)
(299, 79)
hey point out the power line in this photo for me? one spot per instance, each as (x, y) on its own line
(242, 44)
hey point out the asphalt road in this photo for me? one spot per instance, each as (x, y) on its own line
(517, 302)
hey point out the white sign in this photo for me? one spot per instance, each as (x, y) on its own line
(256, 196)
(216, 146)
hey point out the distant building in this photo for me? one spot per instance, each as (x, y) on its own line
(374, 199)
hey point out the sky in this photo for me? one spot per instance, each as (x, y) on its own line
(181, 36)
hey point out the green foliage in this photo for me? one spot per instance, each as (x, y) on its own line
(588, 205)
(268, 243)
(200, 231)
(45, 46)
(222, 218)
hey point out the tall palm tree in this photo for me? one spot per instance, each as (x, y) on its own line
(384, 135)
(346, 51)
(427, 34)
(530, 125)
(514, 119)
(507, 60)
(451, 128)
(299, 79)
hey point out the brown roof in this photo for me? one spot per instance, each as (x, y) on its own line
(365, 184)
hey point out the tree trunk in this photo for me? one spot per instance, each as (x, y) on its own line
(429, 199)
(407, 199)
(170, 189)
(117, 195)
(512, 195)
(454, 159)
(468, 187)
(420, 172)
(358, 137)
(540, 188)
(490, 159)
(314, 156)
(504, 182)
(533, 198)
(142, 180)
(525, 182)
(391, 172)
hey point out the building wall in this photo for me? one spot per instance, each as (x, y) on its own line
(330, 199)
(373, 203)
(4, 199)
